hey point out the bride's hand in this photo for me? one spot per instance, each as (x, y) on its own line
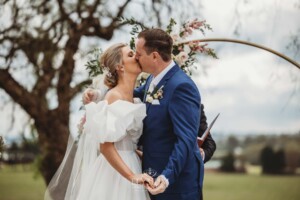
(139, 153)
(142, 179)
(89, 95)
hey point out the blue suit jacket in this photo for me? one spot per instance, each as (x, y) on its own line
(169, 136)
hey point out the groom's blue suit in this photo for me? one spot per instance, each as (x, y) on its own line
(169, 136)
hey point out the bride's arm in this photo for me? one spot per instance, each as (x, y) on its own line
(111, 154)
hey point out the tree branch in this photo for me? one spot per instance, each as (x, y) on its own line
(63, 13)
(78, 8)
(157, 12)
(28, 101)
(93, 8)
(120, 13)
(79, 87)
(65, 74)
(98, 30)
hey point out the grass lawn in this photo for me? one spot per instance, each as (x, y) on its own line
(16, 184)
(250, 187)
(19, 184)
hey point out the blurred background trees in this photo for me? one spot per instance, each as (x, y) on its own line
(272, 162)
(276, 154)
(41, 42)
(1, 147)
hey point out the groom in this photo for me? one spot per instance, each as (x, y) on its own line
(171, 126)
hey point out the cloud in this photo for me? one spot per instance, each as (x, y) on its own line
(269, 23)
(252, 91)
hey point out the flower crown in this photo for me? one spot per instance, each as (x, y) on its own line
(184, 52)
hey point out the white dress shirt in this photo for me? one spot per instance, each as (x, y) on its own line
(155, 81)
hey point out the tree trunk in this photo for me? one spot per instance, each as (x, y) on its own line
(53, 138)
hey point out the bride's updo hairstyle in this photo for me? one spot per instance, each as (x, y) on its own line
(109, 61)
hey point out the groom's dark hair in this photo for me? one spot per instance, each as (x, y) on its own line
(157, 40)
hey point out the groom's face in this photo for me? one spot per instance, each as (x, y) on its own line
(145, 60)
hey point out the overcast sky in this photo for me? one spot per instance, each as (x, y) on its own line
(255, 91)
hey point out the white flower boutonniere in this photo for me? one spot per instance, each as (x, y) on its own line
(155, 96)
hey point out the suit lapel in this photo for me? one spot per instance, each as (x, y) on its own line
(162, 82)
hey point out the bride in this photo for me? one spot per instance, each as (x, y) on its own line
(105, 165)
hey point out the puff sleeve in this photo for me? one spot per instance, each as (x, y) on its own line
(110, 123)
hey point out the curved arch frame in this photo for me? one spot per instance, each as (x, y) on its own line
(250, 44)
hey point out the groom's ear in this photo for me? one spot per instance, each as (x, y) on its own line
(155, 55)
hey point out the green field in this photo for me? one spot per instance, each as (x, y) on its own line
(17, 184)
(251, 187)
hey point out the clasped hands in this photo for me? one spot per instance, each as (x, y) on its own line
(156, 186)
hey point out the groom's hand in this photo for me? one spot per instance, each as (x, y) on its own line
(202, 153)
(160, 186)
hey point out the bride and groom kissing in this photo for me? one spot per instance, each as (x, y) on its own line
(162, 116)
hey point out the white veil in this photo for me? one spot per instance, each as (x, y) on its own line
(80, 155)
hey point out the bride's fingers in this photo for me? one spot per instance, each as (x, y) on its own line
(145, 178)
(86, 99)
(88, 95)
(149, 187)
(148, 179)
(146, 185)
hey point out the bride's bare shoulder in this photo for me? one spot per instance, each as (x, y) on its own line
(112, 96)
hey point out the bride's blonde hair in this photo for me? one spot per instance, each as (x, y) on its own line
(110, 59)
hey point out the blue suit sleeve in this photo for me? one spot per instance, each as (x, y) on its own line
(184, 112)
(139, 92)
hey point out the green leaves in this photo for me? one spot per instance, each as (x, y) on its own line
(184, 53)
(136, 28)
(172, 23)
(211, 52)
(93, 65)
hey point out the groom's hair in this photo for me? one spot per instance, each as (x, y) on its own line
(159, 41)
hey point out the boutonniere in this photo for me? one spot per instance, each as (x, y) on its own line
(155, 96)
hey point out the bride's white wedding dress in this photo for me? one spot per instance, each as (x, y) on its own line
(121, 123)
(92, 177)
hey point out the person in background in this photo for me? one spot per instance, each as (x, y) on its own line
(209, 146)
